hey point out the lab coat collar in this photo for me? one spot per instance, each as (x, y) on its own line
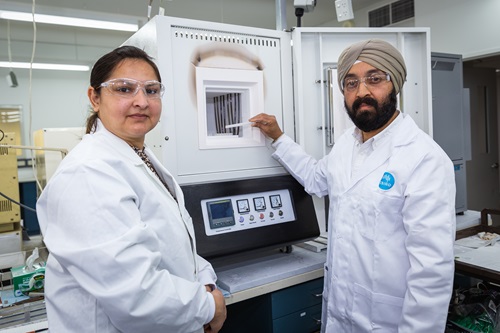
(399, 133)
(119, 145)
(123, 148)
(358, 135)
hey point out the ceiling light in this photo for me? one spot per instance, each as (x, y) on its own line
(70, 21)
(61, 67)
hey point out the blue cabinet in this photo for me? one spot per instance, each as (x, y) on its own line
(298, 308)
(295, 309)
(28, 196)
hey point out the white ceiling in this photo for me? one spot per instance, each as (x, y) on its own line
(57, 44)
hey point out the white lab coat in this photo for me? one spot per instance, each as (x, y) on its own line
(122, 251)
(390, 261)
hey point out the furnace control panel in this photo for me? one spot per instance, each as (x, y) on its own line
(247, 211)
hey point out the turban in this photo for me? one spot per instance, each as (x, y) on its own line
(378, 53)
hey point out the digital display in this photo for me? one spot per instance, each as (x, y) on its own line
(220, 213)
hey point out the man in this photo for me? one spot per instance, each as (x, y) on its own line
(390, 262)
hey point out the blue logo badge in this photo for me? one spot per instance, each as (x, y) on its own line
(387, 181)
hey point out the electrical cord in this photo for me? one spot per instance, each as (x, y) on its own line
(30, 109)
(161, 8)
(17, 203)
(150, 6)
(8, 44)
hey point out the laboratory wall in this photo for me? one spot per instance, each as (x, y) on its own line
(469, 28)
(57, 99)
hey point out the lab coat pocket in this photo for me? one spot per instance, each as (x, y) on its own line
(380, 217)
(387, 311)
(375, 311)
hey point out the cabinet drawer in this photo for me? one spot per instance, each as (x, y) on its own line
(298, 297)
(304, 321)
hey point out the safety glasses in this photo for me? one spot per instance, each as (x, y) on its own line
(128, 88)
(372, 81)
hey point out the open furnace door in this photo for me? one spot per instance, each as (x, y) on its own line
(217, 75)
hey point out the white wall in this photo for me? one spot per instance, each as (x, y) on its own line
(58, 99)
(469, 28)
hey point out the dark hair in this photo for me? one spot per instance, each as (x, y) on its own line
(105, 66)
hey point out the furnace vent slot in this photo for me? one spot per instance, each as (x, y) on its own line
(224, 37)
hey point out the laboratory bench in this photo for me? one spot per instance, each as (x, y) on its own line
(265, 291)
(276, 292)
(27, 315)
(477, 275)
(482, 224)
(270, 292)
(273, 291)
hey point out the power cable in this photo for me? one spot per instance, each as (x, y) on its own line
(8, 44)
(17, 203)
(11, 77)
(149, 9)
(30, 108)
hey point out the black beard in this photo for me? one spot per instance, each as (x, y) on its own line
(369, 121)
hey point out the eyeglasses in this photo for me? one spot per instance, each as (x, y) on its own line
(372, 81)
(128, 88)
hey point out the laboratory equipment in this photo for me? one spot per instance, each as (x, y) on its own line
(60, 141)
(218, 76)
(250, 214)
(10, 213)
(452, 122)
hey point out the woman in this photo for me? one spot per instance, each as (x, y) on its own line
(122, 248)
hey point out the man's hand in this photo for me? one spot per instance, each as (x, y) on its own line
(267, 124)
